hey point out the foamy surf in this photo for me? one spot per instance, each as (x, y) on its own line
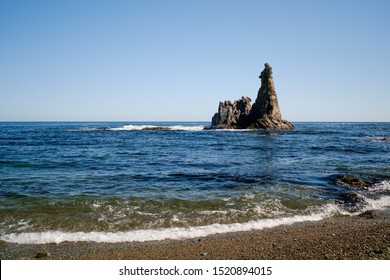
(176, 233)
(382, 186)
(165, 233)
(151, 235)
(157, 127)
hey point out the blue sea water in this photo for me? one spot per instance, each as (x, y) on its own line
(113, 182)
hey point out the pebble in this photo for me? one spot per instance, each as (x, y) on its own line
(42, 255)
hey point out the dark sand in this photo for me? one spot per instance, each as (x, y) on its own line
(335, 238)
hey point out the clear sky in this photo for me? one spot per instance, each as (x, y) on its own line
(175, 60)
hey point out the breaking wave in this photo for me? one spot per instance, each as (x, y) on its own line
(155, 234)
(156, 127)
(175, 233)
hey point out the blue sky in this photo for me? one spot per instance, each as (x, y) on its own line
(175, 60)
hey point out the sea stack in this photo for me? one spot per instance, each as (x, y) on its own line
(263, 114)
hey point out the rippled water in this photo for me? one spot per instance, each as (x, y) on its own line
(148, 181)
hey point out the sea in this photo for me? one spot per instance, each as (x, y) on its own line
(150, 181)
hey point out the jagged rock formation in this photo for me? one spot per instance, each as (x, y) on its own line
(231, 114)
(264, 114)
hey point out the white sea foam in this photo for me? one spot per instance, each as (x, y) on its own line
(382, 186)
(150, 127)
(380, 203)
(232, 129)
(377, 204)
(187, 128)
(162, 233)
(248, 196)
(325, 211)
(85, 129)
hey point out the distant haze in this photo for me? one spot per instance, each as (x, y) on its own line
(175, 60)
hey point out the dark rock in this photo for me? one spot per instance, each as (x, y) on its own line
(367, 214)
(195, 241)
(354, 182)
(264, 114)
(352, 202)
(42, 255)
(156, 128)
(353, 198)
(378, 251)
(230, 114)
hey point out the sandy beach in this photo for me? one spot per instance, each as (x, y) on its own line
(362, 237)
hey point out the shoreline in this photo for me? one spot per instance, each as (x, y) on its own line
(359, 237)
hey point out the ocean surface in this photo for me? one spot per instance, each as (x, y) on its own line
(114, 182)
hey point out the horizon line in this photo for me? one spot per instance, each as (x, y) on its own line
(164, 121)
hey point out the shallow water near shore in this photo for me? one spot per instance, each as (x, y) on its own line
(115, 182)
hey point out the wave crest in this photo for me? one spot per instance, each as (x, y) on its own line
(156, 127)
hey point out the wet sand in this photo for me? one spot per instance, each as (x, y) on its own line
(335, 238)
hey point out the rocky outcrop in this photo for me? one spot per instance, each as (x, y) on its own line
(231, 114)
(264, 114)
(354, 182)
(156, 128)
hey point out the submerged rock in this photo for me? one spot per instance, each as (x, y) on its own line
(354, 182)
(264, 114)
(156, 128)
